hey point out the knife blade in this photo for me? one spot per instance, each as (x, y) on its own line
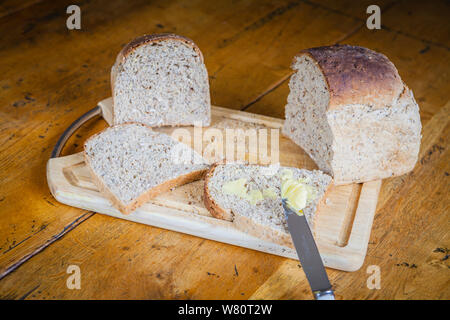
(308, 254)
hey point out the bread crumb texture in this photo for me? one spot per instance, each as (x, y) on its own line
(268, 211)
(350, 111)
(159, 83)
(130, 159)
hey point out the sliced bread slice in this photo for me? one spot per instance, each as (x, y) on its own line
(263, 218)
(131, 164)
(161, 80)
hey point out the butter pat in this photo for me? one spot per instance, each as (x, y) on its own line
(236, 187)
(297, 193)
(286, 174)
(269, 193)
(254, 196)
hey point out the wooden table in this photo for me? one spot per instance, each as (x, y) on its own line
(51, 75)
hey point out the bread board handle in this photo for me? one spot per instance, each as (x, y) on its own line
(72, 128)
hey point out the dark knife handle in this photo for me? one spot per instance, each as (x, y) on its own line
(324, 295)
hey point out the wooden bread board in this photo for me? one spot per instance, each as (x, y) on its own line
(343, 224)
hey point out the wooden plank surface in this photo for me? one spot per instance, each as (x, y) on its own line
(51, 75)
(39, 107)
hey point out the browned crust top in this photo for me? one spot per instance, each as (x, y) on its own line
(139, 41)
(154, 38)
(357, 75)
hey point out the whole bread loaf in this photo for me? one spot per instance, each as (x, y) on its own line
(131, 164)
(161, 80)
(262, 216)
(350, 111)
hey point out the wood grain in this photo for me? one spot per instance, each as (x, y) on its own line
(50, 76)
(44, 90)
(343, 223)
(430, 88)
(410, 207)
(424, 21)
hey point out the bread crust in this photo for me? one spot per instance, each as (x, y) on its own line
(249, 226)
(154, 38)
(272, 235)
(149, 194)
(212, 206)
(139, 41)
(359, 78)
(356, 75)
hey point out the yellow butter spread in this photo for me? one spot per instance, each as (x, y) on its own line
(254, 196)
(236, 187)
(286, 174)
(269, 193)
(296, 192)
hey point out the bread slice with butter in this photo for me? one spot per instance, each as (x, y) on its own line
(250, 196)
(131, 164)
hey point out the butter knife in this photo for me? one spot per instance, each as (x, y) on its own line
(308, 254)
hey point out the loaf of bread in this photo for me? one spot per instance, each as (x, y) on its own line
(256, 207)
(161, 80)
(131, 163)
(350, 111)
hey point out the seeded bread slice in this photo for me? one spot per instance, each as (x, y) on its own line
(265, 219)
(131, 163)
(161, 80)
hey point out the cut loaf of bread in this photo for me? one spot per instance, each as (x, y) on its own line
(350, 111)
(161, 80)
(264, 219)
(131, 163)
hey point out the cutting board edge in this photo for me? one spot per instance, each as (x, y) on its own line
(348, 257)
(345, 258)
